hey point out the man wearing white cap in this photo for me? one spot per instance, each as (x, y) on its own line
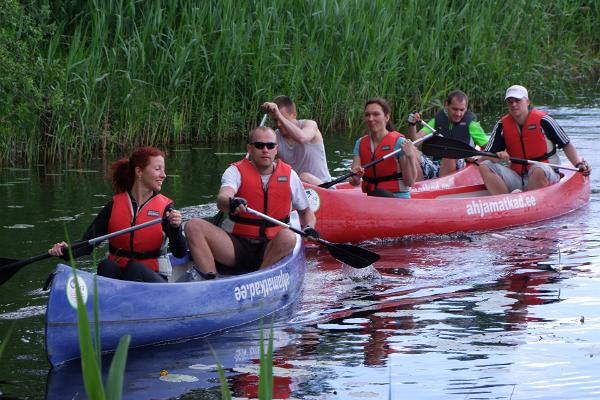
(527, 133)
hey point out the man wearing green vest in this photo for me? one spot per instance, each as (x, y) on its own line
(454, 121)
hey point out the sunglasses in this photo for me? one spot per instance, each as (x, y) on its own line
(262, 145)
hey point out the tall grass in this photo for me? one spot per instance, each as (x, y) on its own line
(165, 72)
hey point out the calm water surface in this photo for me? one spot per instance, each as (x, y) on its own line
(513, 314)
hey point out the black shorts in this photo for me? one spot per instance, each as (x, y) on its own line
(249, 254)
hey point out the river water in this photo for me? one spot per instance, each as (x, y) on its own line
(512, 314)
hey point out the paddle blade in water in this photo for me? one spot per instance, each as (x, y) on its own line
(353, 256)
(8, 267)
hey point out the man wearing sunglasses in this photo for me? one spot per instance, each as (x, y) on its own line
(527, 133)
(300, 141)
(247, 242)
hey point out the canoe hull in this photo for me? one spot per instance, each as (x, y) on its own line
(351, 216)
(156, 313)
(464, 177)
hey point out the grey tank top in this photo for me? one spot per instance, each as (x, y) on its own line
(309, 157)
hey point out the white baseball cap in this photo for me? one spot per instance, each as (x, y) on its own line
(517, 92)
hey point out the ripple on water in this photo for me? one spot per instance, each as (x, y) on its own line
(19, 226)
(25, 312)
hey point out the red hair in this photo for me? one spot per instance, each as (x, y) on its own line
(122, 172)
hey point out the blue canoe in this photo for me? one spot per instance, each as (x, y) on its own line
(156, 313)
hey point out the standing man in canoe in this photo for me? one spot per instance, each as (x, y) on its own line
(248, 242)
(527, 133)
(300, 142)
(394, 176)
(454, 121)
(139, 255)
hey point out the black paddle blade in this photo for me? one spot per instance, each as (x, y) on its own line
(8, 267)
(354, 256)
(327, 185)
(441, 147)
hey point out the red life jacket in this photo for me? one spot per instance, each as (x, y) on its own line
(386, 174)
(275, 201)
(531, 144)
(142, 245)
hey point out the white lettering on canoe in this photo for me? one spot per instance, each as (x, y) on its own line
(429, 187)
(482, 207)
(263, 287)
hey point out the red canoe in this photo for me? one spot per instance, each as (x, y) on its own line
(467, 176)
(351, 216)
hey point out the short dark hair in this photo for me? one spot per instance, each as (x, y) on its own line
(458, 95)
(253, 131)
(283, 101)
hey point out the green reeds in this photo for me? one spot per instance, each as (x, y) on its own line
(265, 375)
(91, 351)
(166, 72)
(4, 342)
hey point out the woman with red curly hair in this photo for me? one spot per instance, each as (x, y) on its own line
(134, 256)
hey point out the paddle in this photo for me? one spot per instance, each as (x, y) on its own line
(443, 147)
(353, 256)
(8, 267)
(329, 184)
(264, 120)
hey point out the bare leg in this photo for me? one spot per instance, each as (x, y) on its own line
(282, 244)
(447, 166)
(208, 243)
(493, 182)
(537, 179)
(310, 178)
(419, 176)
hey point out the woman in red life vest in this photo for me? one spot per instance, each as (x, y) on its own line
(134, 256)
(394, 176)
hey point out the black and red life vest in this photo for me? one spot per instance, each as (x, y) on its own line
(529, 142)
(144, 244)
(386, 174)
(275, 200)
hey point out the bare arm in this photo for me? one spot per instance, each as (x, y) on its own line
(225, 193)
(309, 133)
(358, 170)
(408, 163)
(307, 217)
(571, 153)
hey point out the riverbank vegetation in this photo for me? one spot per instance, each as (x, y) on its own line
(83, 77)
